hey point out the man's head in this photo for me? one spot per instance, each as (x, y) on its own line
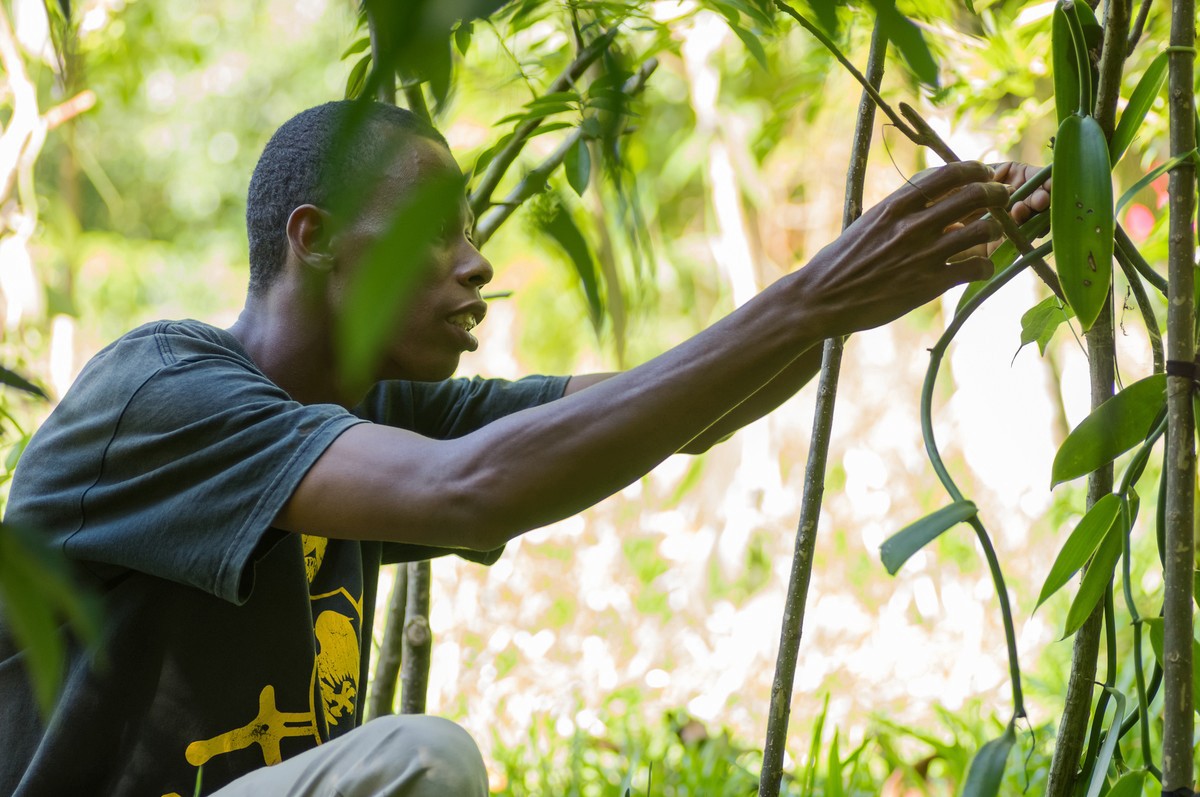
(320, 157)
(324, 197)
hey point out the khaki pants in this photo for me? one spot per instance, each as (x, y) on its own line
(409, 755)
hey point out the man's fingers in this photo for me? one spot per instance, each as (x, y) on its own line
(965, 202)
(970, 270)
(960, 240)
(933, 184)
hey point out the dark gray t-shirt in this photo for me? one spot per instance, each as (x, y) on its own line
(227, 643)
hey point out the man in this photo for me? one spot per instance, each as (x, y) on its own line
(215, 486)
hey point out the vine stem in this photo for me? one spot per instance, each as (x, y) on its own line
(814, 475)
(936, 354)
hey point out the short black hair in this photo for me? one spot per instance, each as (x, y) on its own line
(313, 157)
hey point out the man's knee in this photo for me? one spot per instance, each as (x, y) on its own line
(446, 759)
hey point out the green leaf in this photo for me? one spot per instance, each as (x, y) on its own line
(38, 592)
(1156, 641)
(356, 47)
(390, 270)
(900, 547)
(833, 770)
(909, 41)
(826, 14)
(1064, 65)
(358, 77)
(578, 166)
(13, 379)
(1139, 105)
(562, 229)
(1113, 428)
(1096, 579)
(752, 44)
(1040, 322)
(1151, 176)
(1130, 784)
(1100, 767)
(1080, 545)
(987, 768)
(462, 36)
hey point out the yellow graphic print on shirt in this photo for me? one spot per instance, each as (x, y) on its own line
(337, 640)
(335, 674)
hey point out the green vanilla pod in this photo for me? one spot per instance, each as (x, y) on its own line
(1082, 217)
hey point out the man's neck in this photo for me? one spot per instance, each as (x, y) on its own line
(292, 346)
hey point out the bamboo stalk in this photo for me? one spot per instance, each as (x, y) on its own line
(1101, 345)
(1178, 721)
(814, 478)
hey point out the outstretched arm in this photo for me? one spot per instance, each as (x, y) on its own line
(546, 463)
(796, 375)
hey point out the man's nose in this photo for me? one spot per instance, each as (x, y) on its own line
(475, 271)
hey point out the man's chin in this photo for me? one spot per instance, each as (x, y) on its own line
(424, 371)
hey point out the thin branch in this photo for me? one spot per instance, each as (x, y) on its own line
(814, 477)
(535, 180)
(1139, 25)
(414, 98)
(418, 641)
(481, 197)
(387, 664)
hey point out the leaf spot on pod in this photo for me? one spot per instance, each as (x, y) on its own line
(1087, 283)
(1079, 218)
(1089, 210)
(1098, 231)
(1078, 204)
(1091, 259)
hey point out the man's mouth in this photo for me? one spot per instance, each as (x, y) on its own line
(464, 321)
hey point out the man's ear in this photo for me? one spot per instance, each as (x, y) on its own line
(309, 234)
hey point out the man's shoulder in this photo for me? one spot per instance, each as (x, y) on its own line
(164, 343)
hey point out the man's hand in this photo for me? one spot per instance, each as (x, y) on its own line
(1016, 175)
(902, 253)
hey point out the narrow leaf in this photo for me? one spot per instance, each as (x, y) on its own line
(389, 272)
(13, 379)
(1156, 641)
(578, 166)
(1113, 428)
(356, 47)
(987, 768)
(1131, 784)
(462, 36)
(1139, 105)
(1081, 545)
(562, 229)
(909, 41)
(1100, 767)
(1151, 176)
(900, 547)
(833, 770)
(1096, 579)
(753, 45)
(358, 77)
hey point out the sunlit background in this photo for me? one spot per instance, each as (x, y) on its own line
(667, 597)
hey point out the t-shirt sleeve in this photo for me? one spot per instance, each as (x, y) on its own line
(200, 460)
(449, 409)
